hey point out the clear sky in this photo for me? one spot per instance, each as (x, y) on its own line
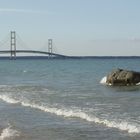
(77, 27)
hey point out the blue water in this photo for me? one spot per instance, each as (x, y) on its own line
(64, 100)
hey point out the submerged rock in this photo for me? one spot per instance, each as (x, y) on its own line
(123, 77)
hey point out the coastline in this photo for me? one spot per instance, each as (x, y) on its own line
(71, 57)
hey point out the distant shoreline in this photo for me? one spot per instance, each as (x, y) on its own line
(71, 57)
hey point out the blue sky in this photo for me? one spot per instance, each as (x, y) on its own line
(77, 27)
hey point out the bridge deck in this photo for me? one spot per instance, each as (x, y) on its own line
(32, 51)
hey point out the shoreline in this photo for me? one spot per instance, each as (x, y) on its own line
(70, 57)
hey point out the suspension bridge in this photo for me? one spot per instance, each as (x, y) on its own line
(12, 51)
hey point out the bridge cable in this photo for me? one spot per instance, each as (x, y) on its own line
(5, 42)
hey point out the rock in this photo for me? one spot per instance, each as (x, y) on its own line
(123, 77)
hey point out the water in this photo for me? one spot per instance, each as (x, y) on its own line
(64, 100)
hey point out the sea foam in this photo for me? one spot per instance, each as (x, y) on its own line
(9, 133)
(8, 99)
(121, 125)
(103, 80)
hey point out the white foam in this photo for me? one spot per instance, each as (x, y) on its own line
(8, 99)
(123, 125)
(138, 84)
(79, 114)
(8, 133)
(103, 80)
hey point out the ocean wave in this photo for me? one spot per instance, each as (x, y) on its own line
(4, 86)
(9, 99)
(9, 133)
(121, 125)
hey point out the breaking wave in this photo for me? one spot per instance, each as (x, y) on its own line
(8, 99)
(121, 125)
(103, 80)
(9, 133)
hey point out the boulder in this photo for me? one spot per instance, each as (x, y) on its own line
(123, 77)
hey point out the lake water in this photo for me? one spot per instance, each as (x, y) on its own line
(64, 100)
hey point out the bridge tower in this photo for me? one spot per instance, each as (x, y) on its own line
(50, 47)
(13, 45)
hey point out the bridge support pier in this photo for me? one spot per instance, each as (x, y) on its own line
(50, 46)
(13, 45)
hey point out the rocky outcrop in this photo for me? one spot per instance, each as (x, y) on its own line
(123, 77)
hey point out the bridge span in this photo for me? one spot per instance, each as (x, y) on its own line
(13, 49)
(49, 54)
